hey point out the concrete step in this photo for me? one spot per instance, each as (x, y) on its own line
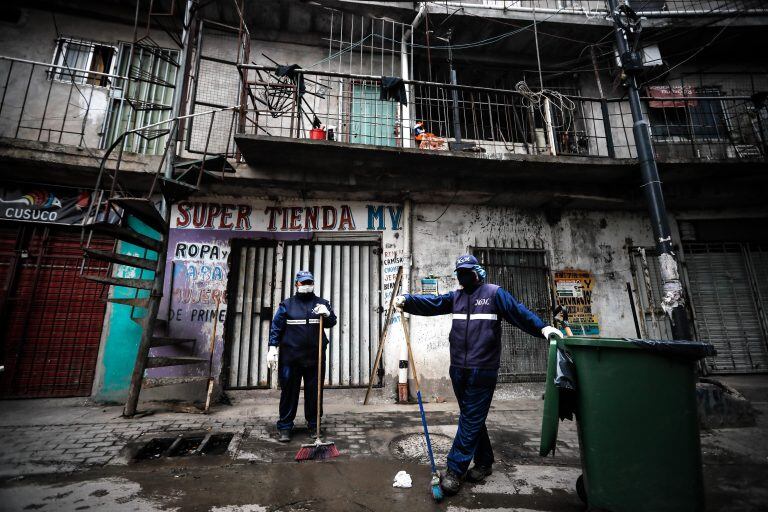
(171, 381)
(157, 362)
(164, 341)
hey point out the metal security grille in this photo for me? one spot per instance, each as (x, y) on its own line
(249, 318)
(51, 318)
(525, 274)
(654, 323)
(727, 286)
(346, 273)
(215, 84)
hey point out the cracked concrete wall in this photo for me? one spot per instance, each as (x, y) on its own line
(594, 241)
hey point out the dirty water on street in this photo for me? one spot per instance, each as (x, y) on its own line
(337, 485)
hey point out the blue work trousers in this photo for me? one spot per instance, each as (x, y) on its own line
(290, 377)
(474, 391)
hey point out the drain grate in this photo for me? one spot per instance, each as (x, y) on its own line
(184, 445)
(413, 447)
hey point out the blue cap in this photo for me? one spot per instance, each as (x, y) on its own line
(466, 261)
(304, 275)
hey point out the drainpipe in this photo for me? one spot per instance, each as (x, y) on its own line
(405, 73)
(673, 300)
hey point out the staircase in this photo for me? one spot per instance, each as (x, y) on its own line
(114, 212)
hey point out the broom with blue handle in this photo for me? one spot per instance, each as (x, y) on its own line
(437, 491)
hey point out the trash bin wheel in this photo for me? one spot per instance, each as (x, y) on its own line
(580, 489)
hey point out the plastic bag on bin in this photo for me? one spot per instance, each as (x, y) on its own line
(694, 350)
(565, 380)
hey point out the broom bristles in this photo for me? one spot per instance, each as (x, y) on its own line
(318, 452)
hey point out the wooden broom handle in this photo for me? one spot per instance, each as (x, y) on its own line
(319, 374)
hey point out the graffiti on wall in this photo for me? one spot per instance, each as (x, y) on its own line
(573, 290)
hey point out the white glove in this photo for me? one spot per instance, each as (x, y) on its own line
(273, 354)
(549, 330)
(322, 310)
(399, 302)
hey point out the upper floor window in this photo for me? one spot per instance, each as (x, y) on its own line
(672, 115)
(79, 61)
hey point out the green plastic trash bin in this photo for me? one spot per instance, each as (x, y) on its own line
(637, 422)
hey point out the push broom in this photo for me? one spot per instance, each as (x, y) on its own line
(434, 484)
(318, 450)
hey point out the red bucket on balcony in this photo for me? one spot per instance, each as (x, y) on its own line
(317, 134)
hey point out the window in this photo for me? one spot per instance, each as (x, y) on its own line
(74, 58)
(144, 99)
(695, 118)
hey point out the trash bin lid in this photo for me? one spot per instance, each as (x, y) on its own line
(692, 350)
(551, 420)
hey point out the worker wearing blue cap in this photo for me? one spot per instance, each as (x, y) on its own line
(475, 345)
(293, 351)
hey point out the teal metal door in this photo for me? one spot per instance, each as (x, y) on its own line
(373, 121)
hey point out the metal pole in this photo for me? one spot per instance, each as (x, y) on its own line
(673, 300)
(454, 96)
(181, 76)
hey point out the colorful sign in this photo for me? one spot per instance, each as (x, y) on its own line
(49, 205)
(200, 246)
(573, 290)
(429, 286)
(286, 218)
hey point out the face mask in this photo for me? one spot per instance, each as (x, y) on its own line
(306, 288)
(467, 279)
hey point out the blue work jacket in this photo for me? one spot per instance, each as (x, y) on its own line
(475, 339)
(294, 329)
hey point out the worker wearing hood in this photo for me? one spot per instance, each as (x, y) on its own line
(475, 346)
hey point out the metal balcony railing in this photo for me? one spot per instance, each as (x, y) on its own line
(599, 8)
(708, 127)
(497, 123)
(694, 124)
(50, 103)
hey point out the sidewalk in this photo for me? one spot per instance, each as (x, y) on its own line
(66, 455)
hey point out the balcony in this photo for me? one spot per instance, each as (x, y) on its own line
(515, 146)
(497, 124)
(599, 8)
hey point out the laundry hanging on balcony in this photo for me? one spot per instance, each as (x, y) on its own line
(665, 96)
(289, 71)
(393, 88)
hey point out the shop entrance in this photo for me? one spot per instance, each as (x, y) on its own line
(50, 317)
(347, 273)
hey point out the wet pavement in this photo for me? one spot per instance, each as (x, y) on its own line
(84, 458)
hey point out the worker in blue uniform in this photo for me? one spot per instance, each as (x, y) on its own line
(475, 347)
(293, 352)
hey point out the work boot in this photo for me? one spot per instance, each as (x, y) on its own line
(478, 473)
(450, 482)
(284, 435)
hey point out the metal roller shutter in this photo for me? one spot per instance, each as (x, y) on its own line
(727, 307)
(346, 273)
(52, 317)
